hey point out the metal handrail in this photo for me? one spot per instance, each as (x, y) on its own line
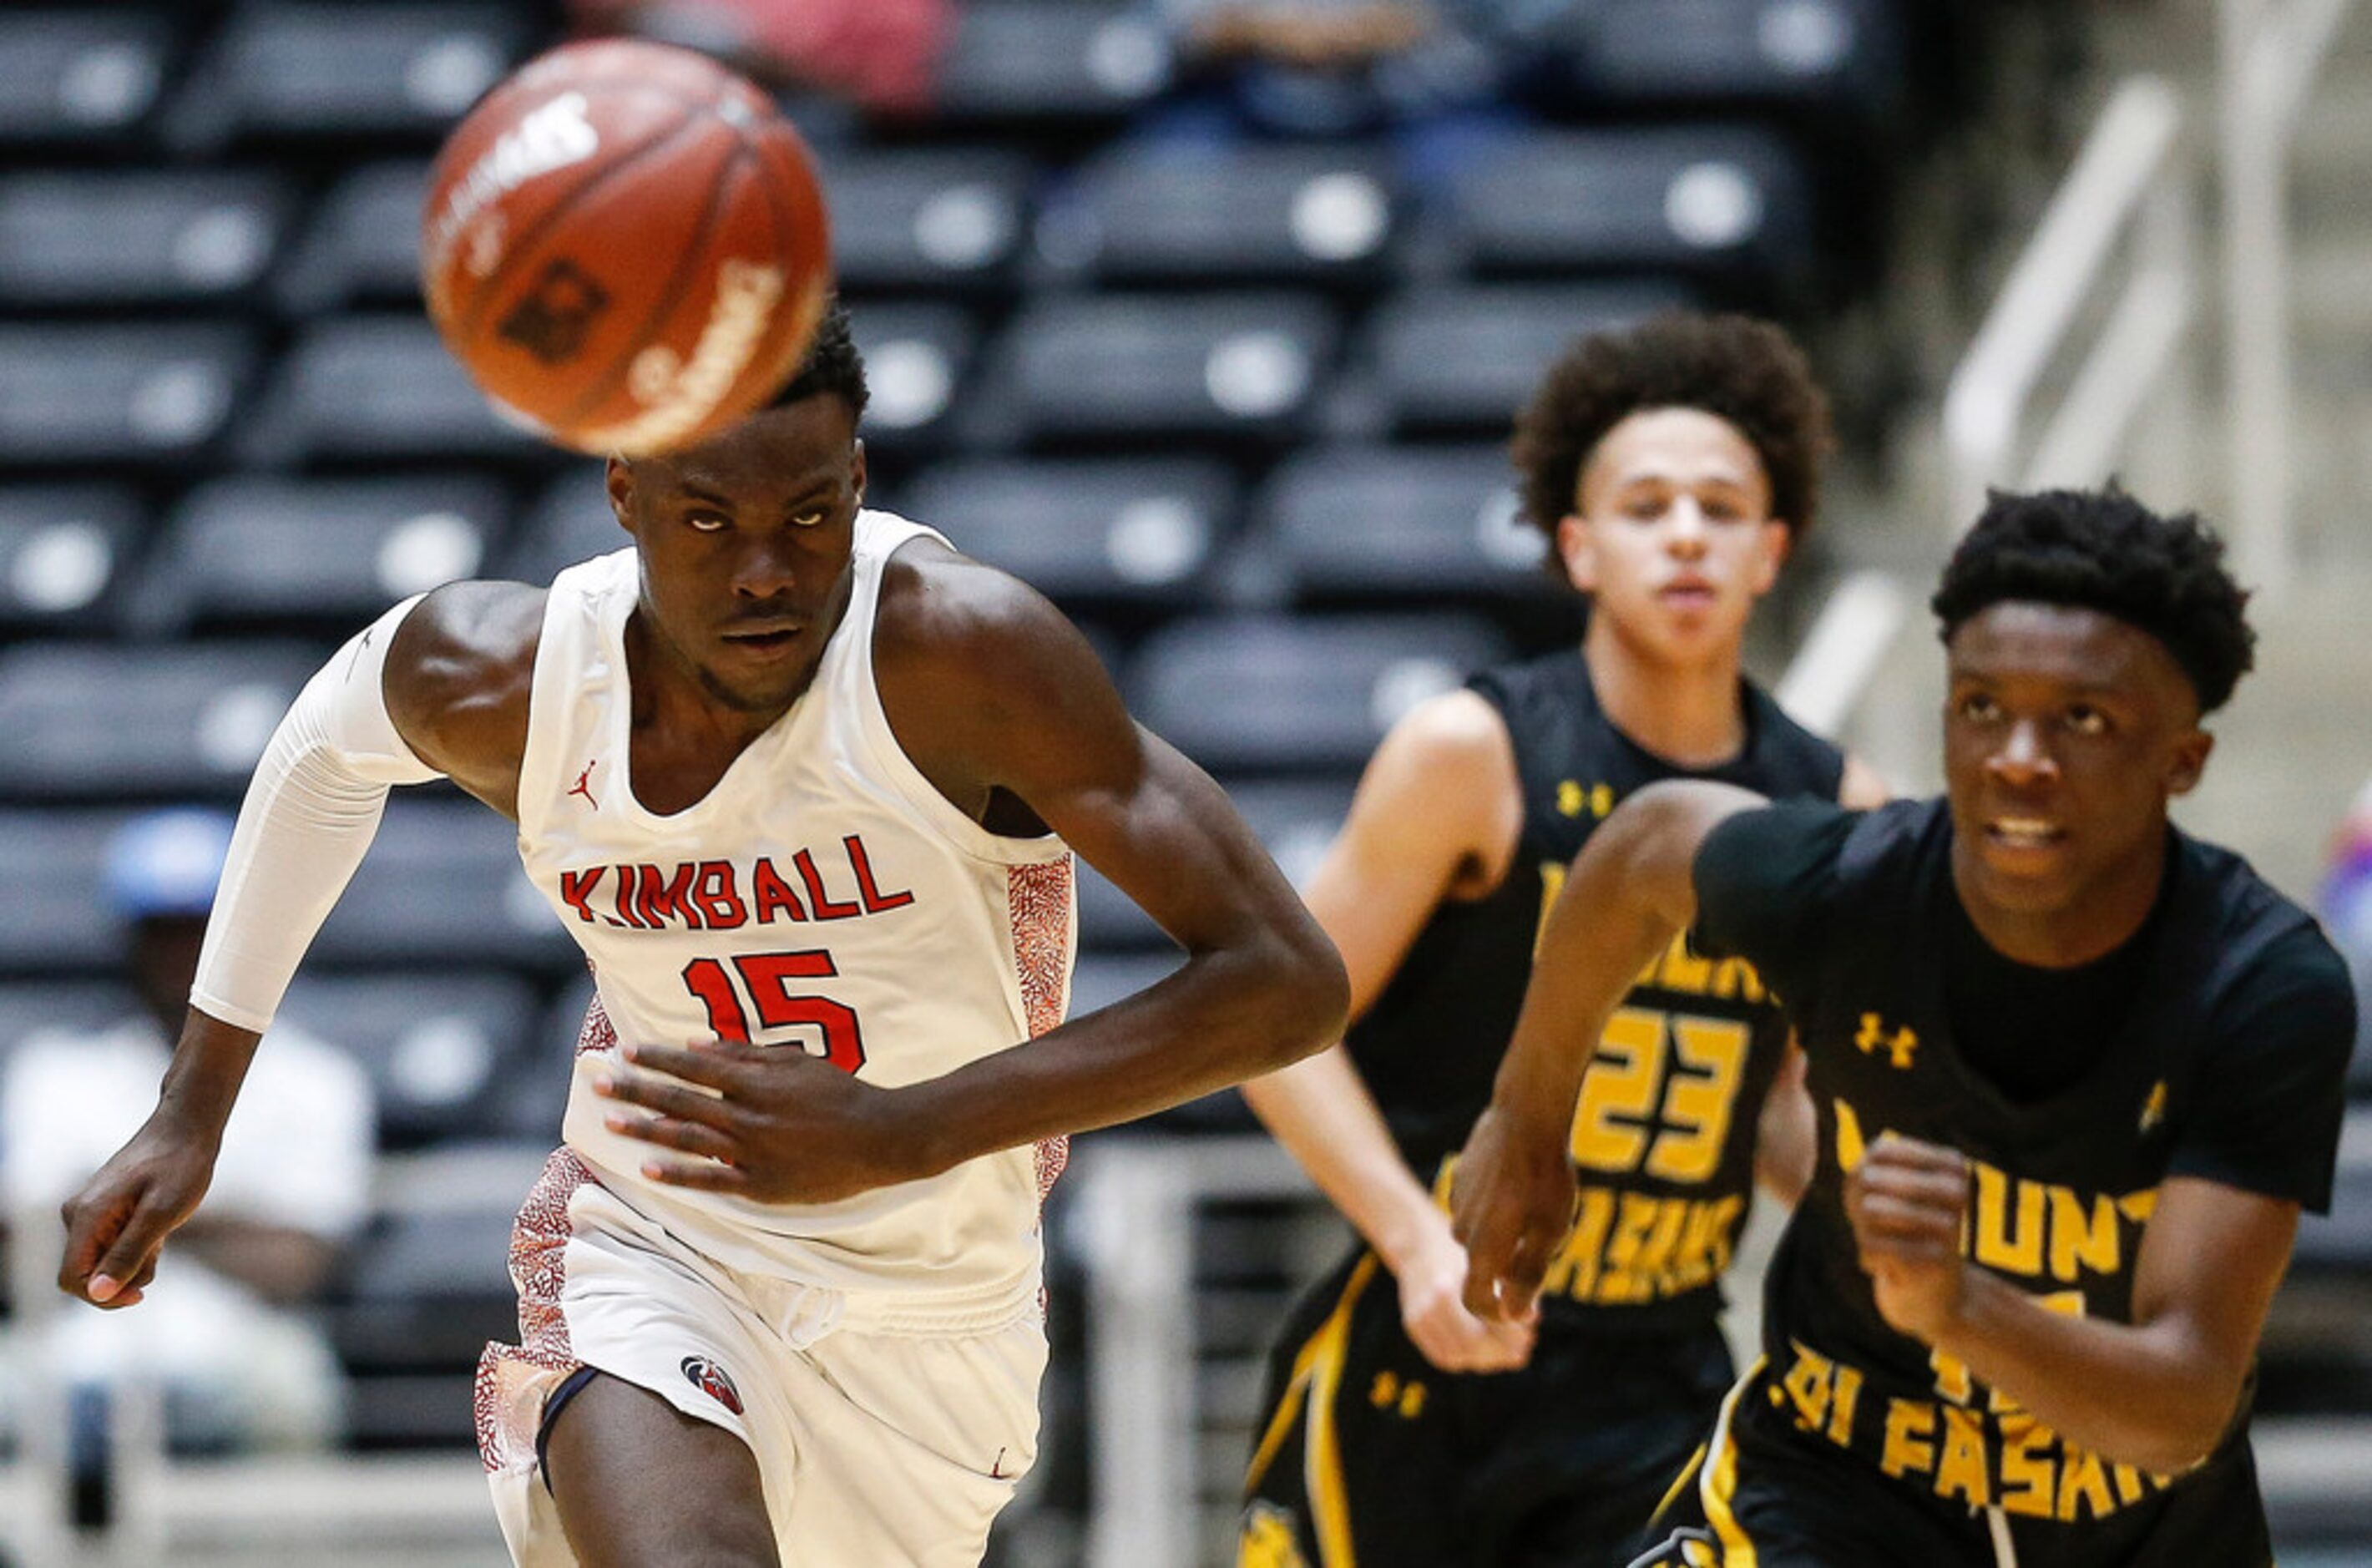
(2127, 178)
(2271, 53)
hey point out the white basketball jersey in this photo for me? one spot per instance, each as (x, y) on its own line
(823, 896)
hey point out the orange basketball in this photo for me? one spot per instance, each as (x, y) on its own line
(626, 245)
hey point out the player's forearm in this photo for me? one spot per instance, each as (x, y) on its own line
(202, 1082)
(1230, 1014)
(2147, 1395)
(1324, 1116)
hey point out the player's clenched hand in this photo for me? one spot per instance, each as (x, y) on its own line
(117, 1223)
(782, 1127)
(1511, 1204)
(1431, 1272)
(1907, 1202)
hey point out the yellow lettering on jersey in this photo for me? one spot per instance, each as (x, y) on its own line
(1575, 1273)
(1703, 1251)
(2083, 1482)
(1961, 1464)
(1677, 968)
(1637, 1247)
(1952, 1379)
(1850, 1143)
(2027, 1475)
(1619, 1091)
(2138, 1206)
(1808, 1383)
(2129, 1483)
(1570, 798)
(2082, 1239)
(1909, 1423)
(2017, 1251)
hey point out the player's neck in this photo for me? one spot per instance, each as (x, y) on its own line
(1688, 715)
(2101, 918)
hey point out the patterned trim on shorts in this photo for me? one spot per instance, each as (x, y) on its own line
(514, 1380)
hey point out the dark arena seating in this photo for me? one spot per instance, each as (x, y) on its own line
(1234, 394)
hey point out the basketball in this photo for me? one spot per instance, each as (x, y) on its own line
(626, 246)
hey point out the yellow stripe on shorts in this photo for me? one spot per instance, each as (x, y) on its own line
(1718, 1482)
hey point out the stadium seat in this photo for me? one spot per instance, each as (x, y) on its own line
(1463, 360)
(1727, 205)
(1166, 213)
(87, 75)
(916, 356)
(118, 394)
(1139, 529)
(1295, 818)
(328, 553)
(377, 387)
(537, 1091)
(570, 521)
(108, 241)
(29, 1007)
(63, 552)
(1418, 523)
(352, 73)
(1275, 693)
(54, 915)
(425, 1290)
(441, 1046)
(1837, 65)
(97, 723)
(1049, 65)
(942, 221)
(443, 884)
(1214, 369)
(363, 244)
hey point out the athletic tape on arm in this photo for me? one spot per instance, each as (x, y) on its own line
(310, 814)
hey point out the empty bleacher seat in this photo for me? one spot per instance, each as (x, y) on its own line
(1132, 528)
(535, 1091)
(332, 553)
(1421, 522)
(943, 220)
(109, 394)
(442, 883)
(1196, 213)
(425, 1290)
(1049, 64)
(144, 239)
(1835, 63)
(63, 555)
(916, 356)
(1313, 694)
(1463, 360)
(55, 914)
(439, 1045)
(347, 72)
(571, 521)
(87, 75)
(377, 387)
(1217, 367)
(363, 243)
(1728, 204)
(99, 722)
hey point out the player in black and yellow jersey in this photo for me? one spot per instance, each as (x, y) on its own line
(1671, 465)
(2077, 1074)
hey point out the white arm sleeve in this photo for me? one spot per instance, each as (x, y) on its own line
(310, 814)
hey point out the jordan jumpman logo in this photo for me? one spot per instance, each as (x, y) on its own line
(578, 787)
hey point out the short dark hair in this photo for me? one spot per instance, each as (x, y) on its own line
(2102, 549)
(832, 364)
(1746, 371)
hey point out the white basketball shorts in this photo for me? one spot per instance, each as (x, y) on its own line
(882, 1438)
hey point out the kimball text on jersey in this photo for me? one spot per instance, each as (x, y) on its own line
(718, 895)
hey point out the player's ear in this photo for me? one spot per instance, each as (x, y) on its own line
(1777, 538)
(2189, 762)
(618, 478)
(1579, 551)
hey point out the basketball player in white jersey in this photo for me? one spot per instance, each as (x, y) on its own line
(804, 784)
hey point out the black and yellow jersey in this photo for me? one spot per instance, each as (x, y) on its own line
(1665, 1135)
(2212, 1044)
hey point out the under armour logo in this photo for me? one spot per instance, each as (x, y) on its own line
(580, 786)
(1874, 1038)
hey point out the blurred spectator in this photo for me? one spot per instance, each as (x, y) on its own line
(879, 54)
(238, 1366)
(1328, 67)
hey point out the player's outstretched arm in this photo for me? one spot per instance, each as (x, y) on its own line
(1629, 891)
(1437, 810)
(363, 723)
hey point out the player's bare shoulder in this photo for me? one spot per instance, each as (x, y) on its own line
(983, 679)
(459, 674)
